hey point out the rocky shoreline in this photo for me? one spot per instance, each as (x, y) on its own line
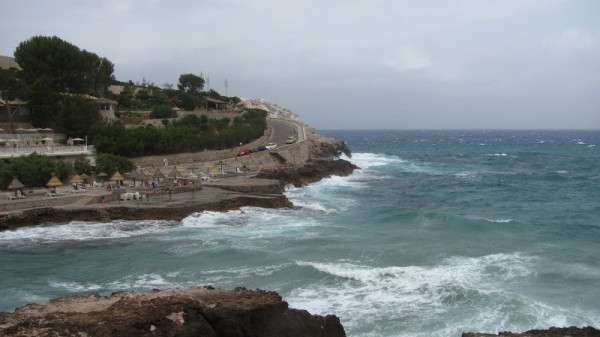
(192, 312)
(552, 332)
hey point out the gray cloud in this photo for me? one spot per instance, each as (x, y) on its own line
(353, 63)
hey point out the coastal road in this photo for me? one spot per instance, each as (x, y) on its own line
(282, 129)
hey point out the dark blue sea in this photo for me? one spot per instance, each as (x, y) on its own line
(438, 233)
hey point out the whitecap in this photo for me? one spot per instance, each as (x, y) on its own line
(368, 160)
(499, 220)
(83, 231)
(467, 175)
(418, 294)
(143, 281)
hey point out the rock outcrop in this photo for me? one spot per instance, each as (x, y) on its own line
(552, 332)
(192, 312)
(310, 172)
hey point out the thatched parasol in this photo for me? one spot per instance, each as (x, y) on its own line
(117, 176)
(174, 173)
(158, 175)
(15, 184)
(54, 182)
(76, 178)
(131, 175)
(102, 176)
(141, 176)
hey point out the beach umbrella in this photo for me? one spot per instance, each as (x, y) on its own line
(78, 139)
(32, 130)
(141, 176)
(76, 178)
(85, 177)
(158, 175)
(15, 185)
(117, 176)
(20, 129)
(133, 175)
(102, 176)
(54, 182)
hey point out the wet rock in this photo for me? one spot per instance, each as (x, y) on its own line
(191, 312)
(552, 332)
(310, 172)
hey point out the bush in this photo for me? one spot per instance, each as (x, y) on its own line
(162, 111)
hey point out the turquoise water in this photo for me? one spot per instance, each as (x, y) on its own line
(439, 232)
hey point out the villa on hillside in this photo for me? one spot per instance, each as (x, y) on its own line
(21, 110)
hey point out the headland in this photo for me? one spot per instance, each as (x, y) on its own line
(260, 181)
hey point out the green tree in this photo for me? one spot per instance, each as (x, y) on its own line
(33, 171)
(52, 67)
(76, 115)
(190, 83)
(109, 163)
(82, 165)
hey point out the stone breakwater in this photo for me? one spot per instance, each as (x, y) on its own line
(192, 312)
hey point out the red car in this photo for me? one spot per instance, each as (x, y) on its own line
(244, 152)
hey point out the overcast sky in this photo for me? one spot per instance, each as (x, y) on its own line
(393, 64)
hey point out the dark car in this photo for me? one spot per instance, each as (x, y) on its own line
(244, 152)
(258, 149)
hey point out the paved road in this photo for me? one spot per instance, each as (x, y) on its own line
(282, 129)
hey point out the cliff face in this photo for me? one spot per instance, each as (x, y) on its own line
(193, 312)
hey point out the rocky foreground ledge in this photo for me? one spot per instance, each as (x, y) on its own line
(193, 312)
(552, 332)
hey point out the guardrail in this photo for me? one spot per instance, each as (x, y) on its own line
(74, 150)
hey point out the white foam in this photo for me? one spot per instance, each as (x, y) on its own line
(368, 160)
(360, 293)
(467, 175)
(500, 220)
(83, 231)
(143, 281)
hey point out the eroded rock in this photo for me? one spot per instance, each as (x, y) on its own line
(191, 312)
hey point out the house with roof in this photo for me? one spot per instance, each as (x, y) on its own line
(21, 110)
(16, 109)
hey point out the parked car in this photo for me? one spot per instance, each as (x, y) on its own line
(271, 146)
(244, 152)
(290, 140)
(258, 149)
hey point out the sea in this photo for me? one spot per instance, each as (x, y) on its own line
(439, 232)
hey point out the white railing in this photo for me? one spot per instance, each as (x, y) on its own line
(10, 151)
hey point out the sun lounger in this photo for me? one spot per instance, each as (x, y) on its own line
(10, 196)
(50, 193)
(21, 195)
